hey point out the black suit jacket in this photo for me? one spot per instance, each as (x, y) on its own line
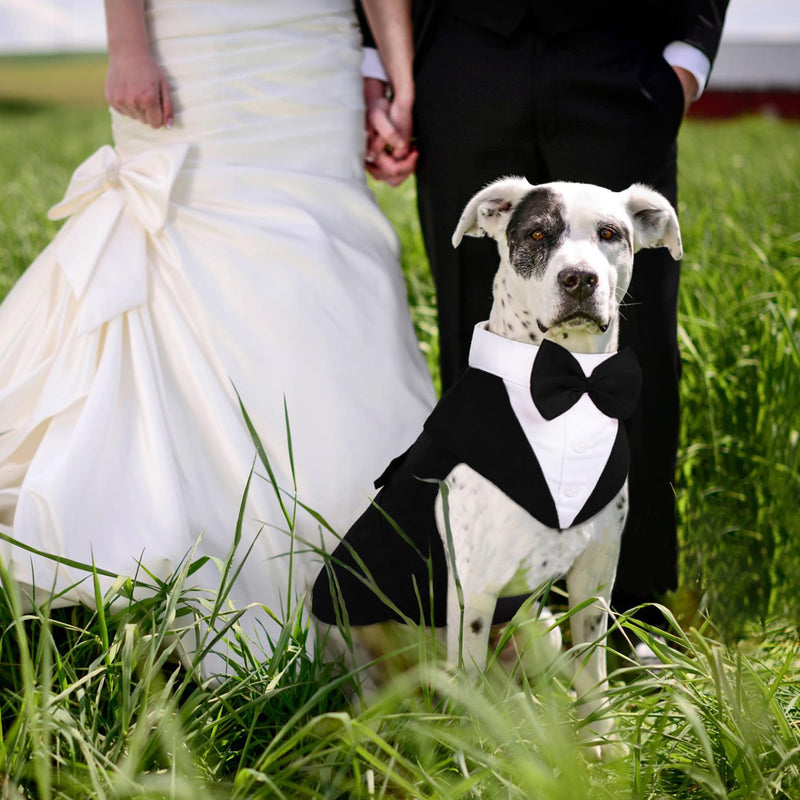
(696, 22)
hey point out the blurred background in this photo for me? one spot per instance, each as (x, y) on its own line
(758, 68)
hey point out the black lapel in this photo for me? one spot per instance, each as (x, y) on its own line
(475, 422)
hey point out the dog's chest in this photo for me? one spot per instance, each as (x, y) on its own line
(500, 543)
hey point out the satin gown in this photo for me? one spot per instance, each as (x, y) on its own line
(238, 255)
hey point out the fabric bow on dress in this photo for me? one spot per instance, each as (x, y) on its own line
(115, 205)
(558, 382)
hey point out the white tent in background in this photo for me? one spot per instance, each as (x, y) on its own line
(760, 47)
(52, 26)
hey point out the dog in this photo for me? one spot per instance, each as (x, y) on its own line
(519, 477)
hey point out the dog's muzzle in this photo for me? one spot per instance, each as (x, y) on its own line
(578, 284)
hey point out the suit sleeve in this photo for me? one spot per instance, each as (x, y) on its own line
(700, 25)
(366, 34)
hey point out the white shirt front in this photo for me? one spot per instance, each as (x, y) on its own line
(572, 449)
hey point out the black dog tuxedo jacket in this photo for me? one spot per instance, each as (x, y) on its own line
(391, 564)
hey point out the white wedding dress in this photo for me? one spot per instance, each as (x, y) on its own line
(239, 254)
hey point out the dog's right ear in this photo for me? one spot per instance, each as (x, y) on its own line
(655, 223)
(489, 211)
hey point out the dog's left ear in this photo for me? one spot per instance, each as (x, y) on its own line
(490, 209)
(655, 223)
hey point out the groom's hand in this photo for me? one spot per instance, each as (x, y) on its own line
(390, 156)
(689, 85)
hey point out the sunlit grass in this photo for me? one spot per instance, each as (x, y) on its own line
(740, 338)
(96, 704)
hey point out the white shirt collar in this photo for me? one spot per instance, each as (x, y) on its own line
(512, 360)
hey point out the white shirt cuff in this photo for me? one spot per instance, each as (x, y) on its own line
(681, 54)
(372, 66)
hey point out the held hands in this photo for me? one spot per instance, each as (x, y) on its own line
(137, 87)
(390, 156)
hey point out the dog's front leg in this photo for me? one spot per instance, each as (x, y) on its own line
(592, 576)
(469, 609)
(488, 535)
(475, 573)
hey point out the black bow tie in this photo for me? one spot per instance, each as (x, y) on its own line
(557, 382)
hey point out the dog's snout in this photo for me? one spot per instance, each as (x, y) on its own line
(577, 282)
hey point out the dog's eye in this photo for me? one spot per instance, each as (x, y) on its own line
(606, 233)
(537, 235)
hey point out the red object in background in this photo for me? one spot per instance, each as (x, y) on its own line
(731, 103)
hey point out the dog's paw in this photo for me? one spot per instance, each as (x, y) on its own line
(605, 746)
(607, 751)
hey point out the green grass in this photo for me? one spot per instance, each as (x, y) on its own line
(740, 337)
(95, 704)
(66, 80)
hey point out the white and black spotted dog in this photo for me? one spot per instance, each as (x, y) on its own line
(520, 474)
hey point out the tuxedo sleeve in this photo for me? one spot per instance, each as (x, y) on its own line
(700, 24)
(366, 34)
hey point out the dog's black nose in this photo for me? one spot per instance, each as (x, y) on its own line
(577, 283)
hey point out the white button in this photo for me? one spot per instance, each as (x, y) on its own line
(579, 446)
(571, 490)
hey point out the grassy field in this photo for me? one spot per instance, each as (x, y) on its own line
(74, 80)
(94, 705)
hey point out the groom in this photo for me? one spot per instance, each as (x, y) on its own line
(580, 91)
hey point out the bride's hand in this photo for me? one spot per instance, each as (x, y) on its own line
(390, 156)
(137, 87)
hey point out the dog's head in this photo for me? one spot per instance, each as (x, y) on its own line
(566, 254)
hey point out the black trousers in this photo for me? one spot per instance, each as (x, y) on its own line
(595, 108)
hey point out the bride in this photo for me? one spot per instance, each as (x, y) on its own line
(225, 248)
